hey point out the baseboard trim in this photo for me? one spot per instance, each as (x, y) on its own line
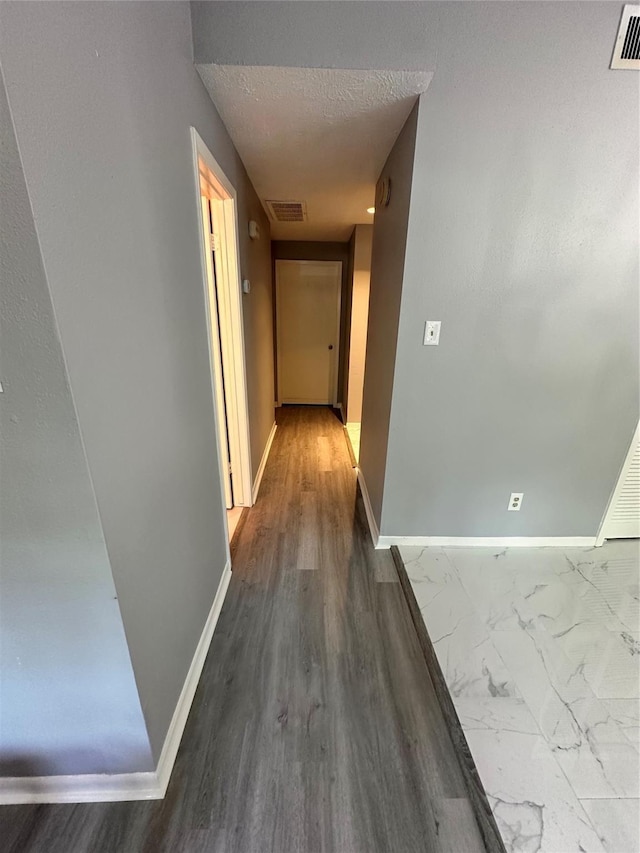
(179, 719)
(85, 788)
(373, 527)
(104, 787)
(263, 463)
(488, 541)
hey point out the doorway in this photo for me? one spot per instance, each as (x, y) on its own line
(217, 214)
(308, 297)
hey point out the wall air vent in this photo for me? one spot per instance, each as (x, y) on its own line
(287, 211)
(626, 53)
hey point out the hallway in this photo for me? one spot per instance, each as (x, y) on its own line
(315, 726)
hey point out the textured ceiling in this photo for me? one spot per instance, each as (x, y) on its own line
(316, 135)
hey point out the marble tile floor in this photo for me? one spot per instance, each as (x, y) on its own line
(540, 648)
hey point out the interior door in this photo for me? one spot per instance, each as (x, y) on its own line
(216, 352)
(308, 330)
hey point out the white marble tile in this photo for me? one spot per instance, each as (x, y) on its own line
(429, 566)
(535, 807)
(610, 662)
(626, 713)
(558, 607)
(541, 652)
(615, 578)
(617, 823)
(589, 746)
(497, 715)
(491, 586)
(468, 658)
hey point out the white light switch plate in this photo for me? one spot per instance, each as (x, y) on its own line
(432, 333)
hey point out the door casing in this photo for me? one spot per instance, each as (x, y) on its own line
(223, 198)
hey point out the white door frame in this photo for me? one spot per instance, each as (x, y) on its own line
(335, 368)
(206, 167)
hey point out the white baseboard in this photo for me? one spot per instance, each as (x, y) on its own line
(488, 541)
(86, 788)
(263, 464)
(103, 787)
(179, 719)
(373, 527)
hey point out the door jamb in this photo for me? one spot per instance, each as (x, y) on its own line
(233, 348)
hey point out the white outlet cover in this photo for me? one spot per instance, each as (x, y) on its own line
(515, 501)
(432, 333)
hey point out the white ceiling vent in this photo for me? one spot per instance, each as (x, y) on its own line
(626, 53)
(287, 211)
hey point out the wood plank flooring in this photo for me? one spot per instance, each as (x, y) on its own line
(315, 726)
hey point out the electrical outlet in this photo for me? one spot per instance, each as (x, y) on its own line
(515, 501)
(432, 333)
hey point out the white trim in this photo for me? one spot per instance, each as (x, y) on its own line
(263, 462)
(619, 484)
(103, 787)
(489, 541)
(373, 527)
(179, 719)
(88, 788)
(335, 365)
(233, 337)
(292, 401)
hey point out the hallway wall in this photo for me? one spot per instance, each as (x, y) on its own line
(385, 293)
(103, 96)
(59, 614)
(522, 240)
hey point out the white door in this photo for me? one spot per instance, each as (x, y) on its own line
(308, 330)
(622, 519)
(216, 351)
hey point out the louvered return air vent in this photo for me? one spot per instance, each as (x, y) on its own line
(626, 53)
(622, 519)
(287, 211)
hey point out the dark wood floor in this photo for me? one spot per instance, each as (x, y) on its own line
(315, 726)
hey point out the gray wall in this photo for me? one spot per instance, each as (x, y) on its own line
(523, 240)
(316, 34)
(257, 309)
(103, 95)
(68, 698)
(311, 250)
(387, 268)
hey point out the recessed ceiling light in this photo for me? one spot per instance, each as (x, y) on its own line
(371, 210)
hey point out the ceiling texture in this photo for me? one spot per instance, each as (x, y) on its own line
(316, 135)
